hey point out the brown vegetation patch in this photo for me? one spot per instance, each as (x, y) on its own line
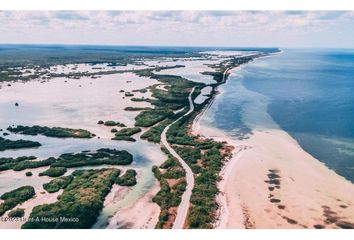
(171, 219)
(172, 182)
(273, 176)
(200, 163)
(247, 222)
(274, 200)
(331, 216)
(290, 220)
(318, 226)
(345, 225)
(281, 207)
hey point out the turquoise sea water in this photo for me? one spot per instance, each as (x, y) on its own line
(308, 93)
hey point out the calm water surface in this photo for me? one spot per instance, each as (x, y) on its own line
(308, 93)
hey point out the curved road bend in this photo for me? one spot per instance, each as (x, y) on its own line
(183, 208)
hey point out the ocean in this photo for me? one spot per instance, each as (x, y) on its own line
(309, 93)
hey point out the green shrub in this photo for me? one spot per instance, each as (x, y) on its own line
(124, 138)
(33, 164)
(129, 94)
(137, 108)
(189, 154)
(17, 213)
(100, 157)
(58, 183)
(6, 144)
(168, 197)
(9, 163)
(110, 123)
(174, 173)
(128, 179)
(51, 132)
(128, 131)
(154, 133)
(82, 199)
(54, 172)
(151, 117)
(15, 197)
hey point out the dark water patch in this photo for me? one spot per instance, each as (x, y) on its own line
(235, 126)
(329, 153)
(311, 97)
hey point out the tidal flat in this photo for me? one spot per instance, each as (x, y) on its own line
(75, 104)
(78, 96)
(159, 139)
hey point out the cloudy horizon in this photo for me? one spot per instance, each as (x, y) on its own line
(320, 29)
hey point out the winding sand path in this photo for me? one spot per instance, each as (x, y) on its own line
(184, 206)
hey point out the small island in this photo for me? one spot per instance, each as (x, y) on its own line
(103, 156)
(126, 133)
(82, 199)
(6, 144)
(54, 172)
(111, 123)
(128, 179)
(58, 132)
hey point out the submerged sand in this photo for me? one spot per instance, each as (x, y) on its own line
(85, 96)
(271, 182)
(142, 214)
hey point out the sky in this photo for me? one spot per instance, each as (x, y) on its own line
(293, 29)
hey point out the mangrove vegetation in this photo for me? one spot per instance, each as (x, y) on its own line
(51, 132)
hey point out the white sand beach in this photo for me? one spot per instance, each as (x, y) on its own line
(271, 182)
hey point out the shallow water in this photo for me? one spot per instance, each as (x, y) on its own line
(192, 70)
(203, 95)
(76, 103)
(81, 103)
(308, 93)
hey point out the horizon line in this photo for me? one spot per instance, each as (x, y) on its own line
(167, 46)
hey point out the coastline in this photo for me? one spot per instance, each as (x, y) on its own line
(306, 195)
(42, 197)
(143, 214)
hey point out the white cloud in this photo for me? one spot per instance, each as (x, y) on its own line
(176, 27)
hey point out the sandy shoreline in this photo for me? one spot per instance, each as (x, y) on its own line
(271, 182)
(42, 197)
(142, 214)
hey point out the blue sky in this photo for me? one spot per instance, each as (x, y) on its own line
(187, 28)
